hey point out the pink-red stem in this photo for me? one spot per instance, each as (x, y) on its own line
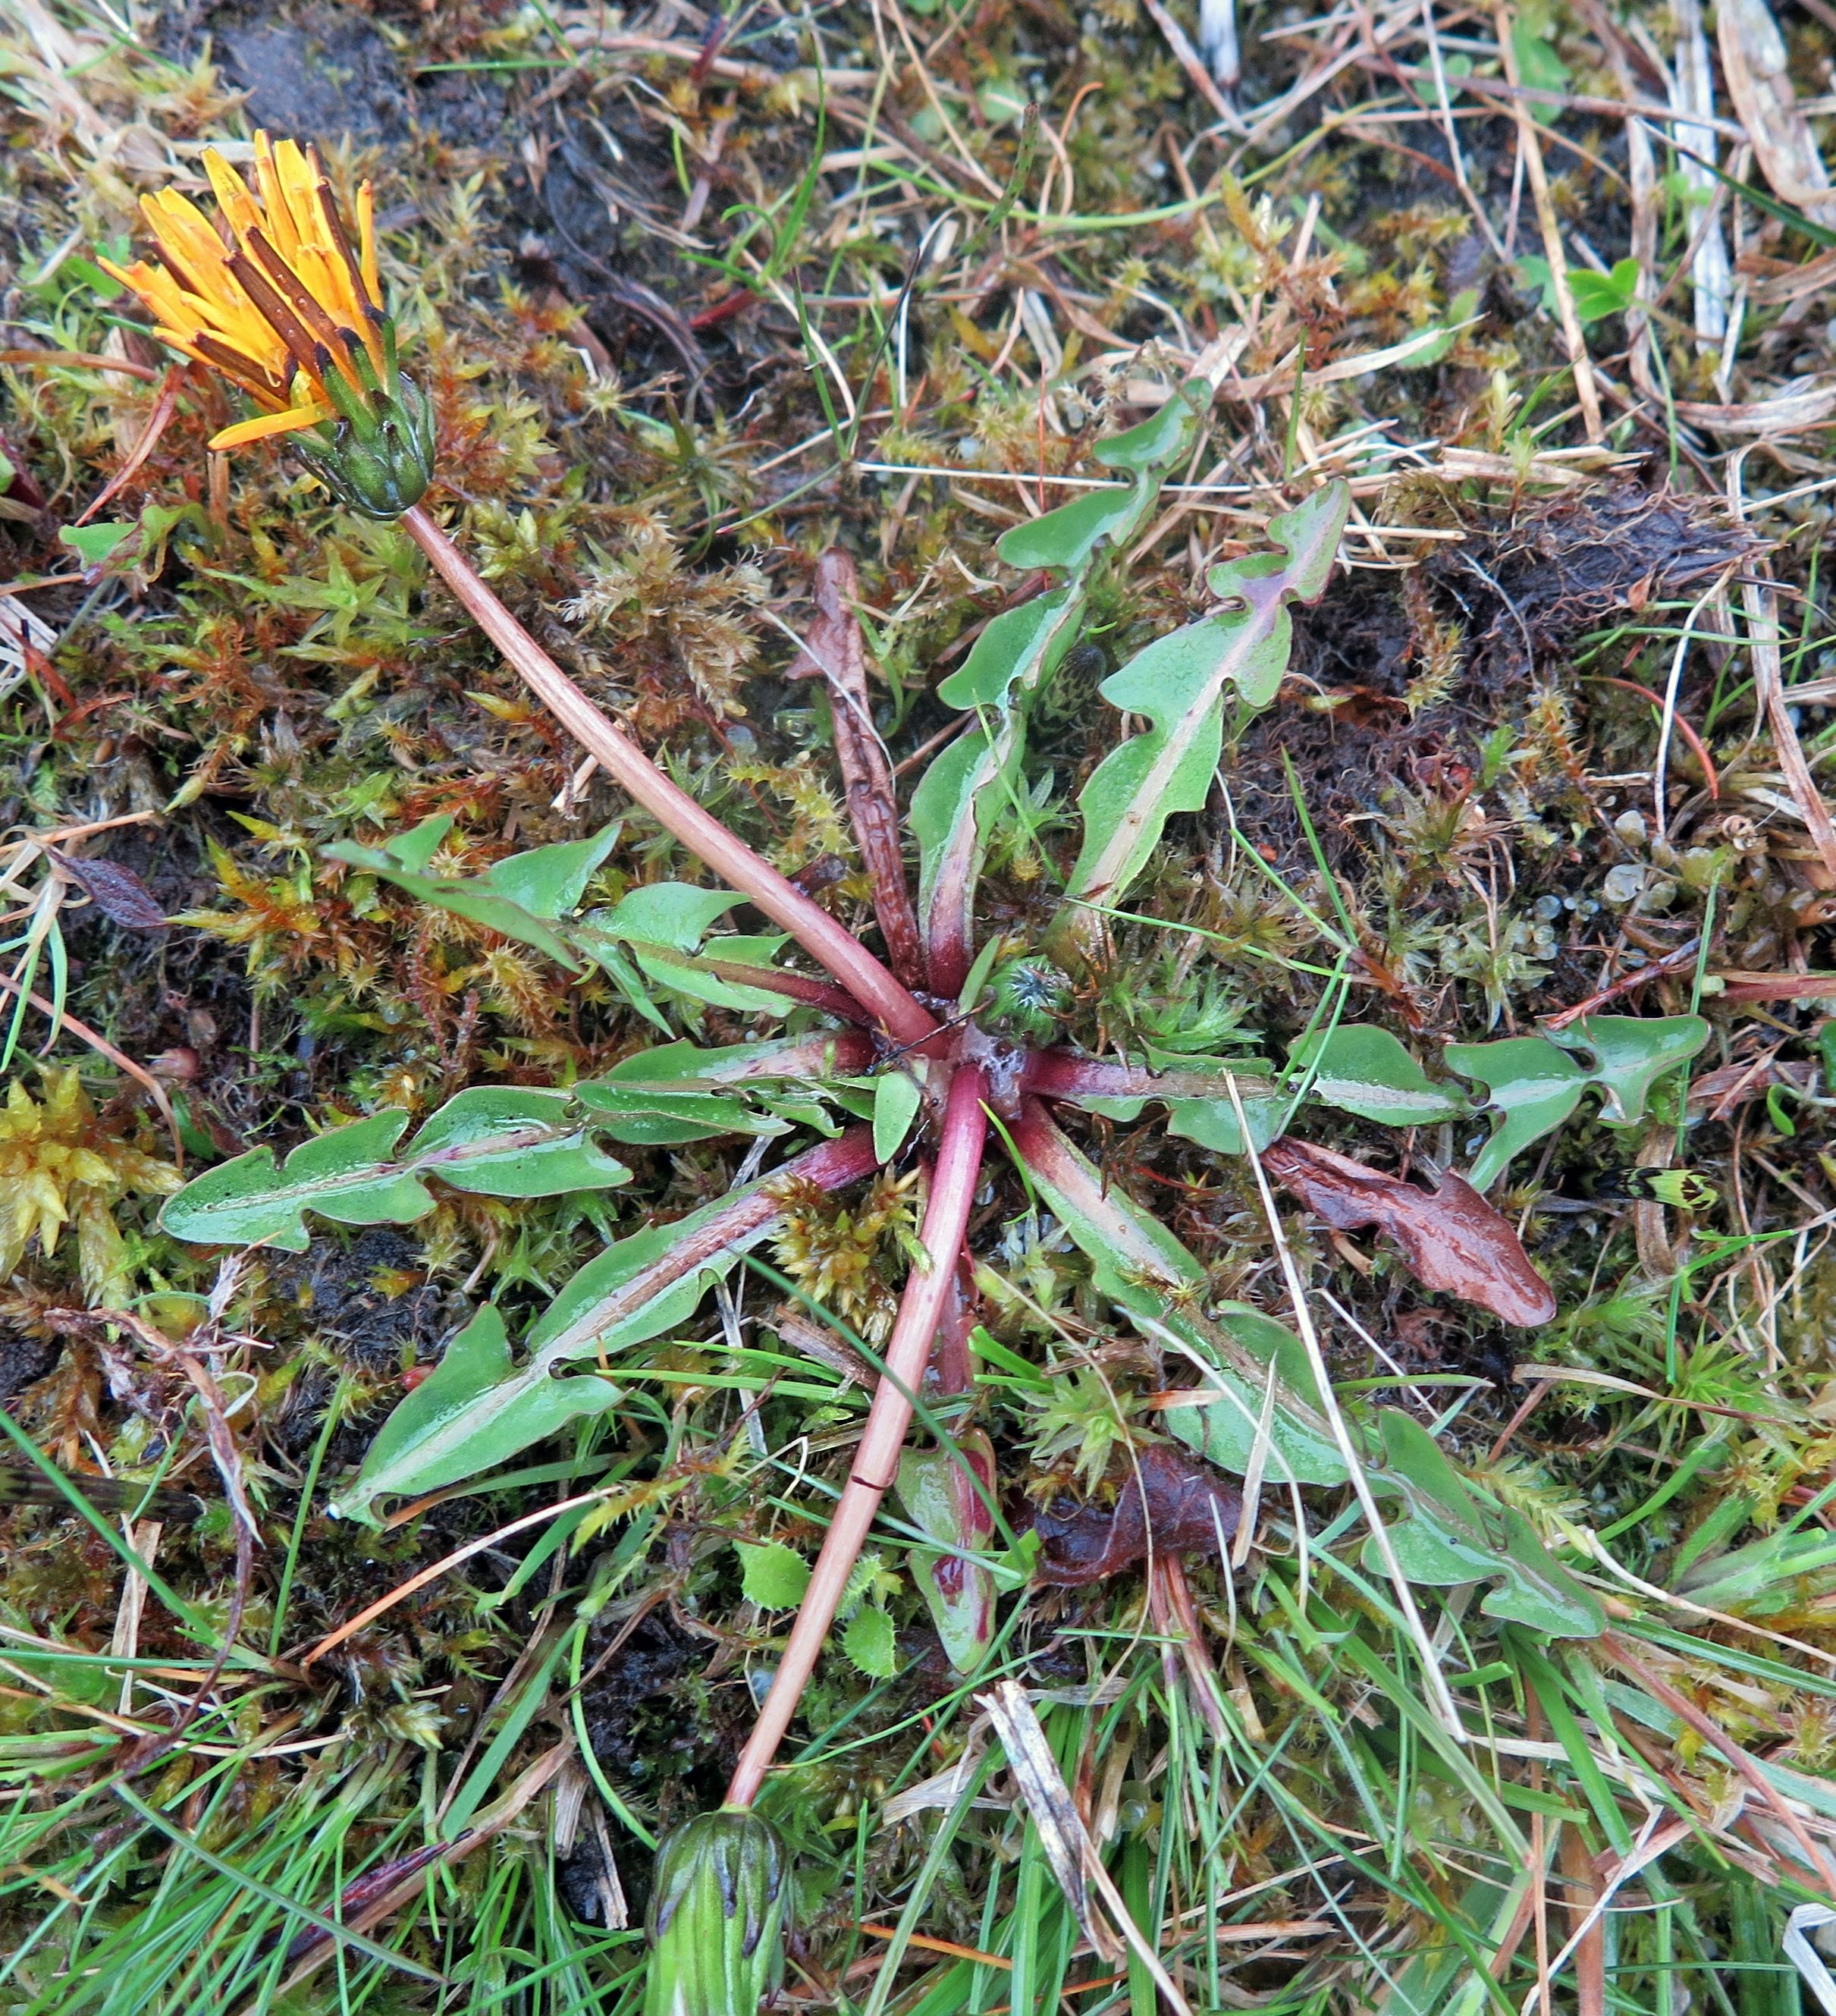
(843, 954)
(946, 1220)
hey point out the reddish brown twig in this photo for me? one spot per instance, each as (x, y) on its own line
(1697, 746)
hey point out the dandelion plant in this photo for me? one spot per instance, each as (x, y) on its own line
(929, 1043)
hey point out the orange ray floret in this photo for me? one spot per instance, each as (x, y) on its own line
(276, 298)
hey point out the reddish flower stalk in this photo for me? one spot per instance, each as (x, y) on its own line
(729, 857)
(946, 1220)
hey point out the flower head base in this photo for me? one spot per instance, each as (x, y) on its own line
(717, 1916)
(274, 298)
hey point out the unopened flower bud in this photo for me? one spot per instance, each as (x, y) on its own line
(717, 1916)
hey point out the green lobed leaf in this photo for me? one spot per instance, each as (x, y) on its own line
(549, 881)
(1532, 1088)
(473, 1414)
(1180, 682)
(1011, 649)
(496, 1140)
(520, 898)
(686, 973)
(1165, 437)
(481, 1142)
(1228, 1431)
(1366, 1070)
(1533, 1083)
(678, 914)
(958, 797)
(1457, 1532)
(345, 1174)
(943, 1504)
(1632, 1052)
(1144, 1269)
(574, 1322)
(647, 1117)
(665, 925)
(1014, 658)
(484, 1411)
(1066, 538)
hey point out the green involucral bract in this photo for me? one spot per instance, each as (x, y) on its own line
(717, 1916)
(379, 458)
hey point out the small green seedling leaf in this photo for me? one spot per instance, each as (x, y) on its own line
(1366, 1070)
(896, 1100)
(95, 545)
(772, 1574)
(871, 1643)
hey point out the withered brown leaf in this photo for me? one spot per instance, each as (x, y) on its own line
(1169, 1504)
(834, 649)
(118, 892)
(1450, 1238)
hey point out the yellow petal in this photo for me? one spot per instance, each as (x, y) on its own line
(265, 424)
(366, 233)
(232, 193)
(293, 180)
(285, 239)
(188, 239)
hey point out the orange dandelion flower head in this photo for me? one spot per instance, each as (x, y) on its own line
(275, 297)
